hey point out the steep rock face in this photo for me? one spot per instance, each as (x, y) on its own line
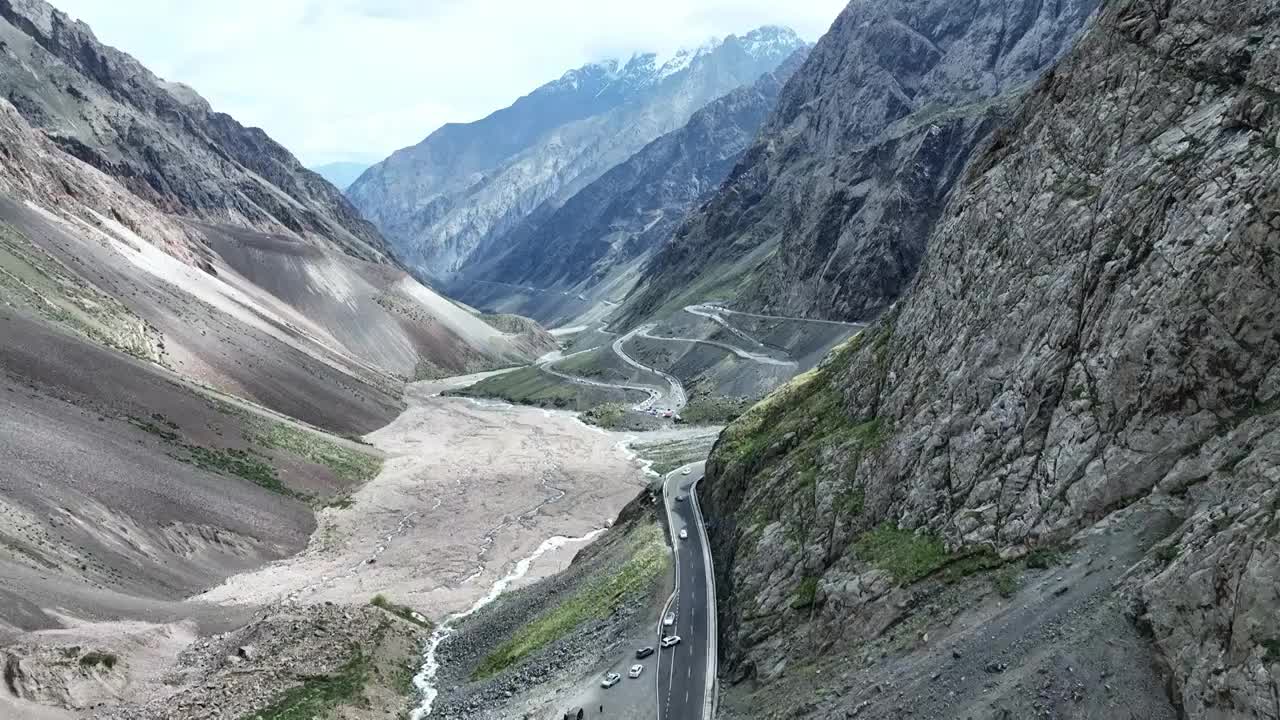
(631, 210)
(437, 201)
(1094, 330)
(160, 139)
(828, 213)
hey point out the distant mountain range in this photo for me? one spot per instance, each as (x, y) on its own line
(593, 247)
(464, 185)
(341, 174)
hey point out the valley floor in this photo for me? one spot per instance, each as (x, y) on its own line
(470, 488)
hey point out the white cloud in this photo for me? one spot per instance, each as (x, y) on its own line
(356, 79)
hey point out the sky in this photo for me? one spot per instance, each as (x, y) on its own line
(353, 80)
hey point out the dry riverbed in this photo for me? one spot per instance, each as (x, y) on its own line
(469, 488)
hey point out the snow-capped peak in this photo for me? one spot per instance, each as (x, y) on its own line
(648, 68)
(685, 57)
(771, 41)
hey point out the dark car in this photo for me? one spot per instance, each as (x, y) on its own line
(643, 653)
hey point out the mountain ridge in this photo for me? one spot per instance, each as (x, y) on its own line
(440, 199)
(827, 214)
(589, 244)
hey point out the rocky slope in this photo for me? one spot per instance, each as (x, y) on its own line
(603, 234)
(161, 139)
(138, 182)
(1076, 407)
(440, 199)
(828, 212)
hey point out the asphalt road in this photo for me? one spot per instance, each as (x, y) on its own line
(686, 672)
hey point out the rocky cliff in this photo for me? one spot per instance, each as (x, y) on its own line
(601, 235)
(440, 199)
(828, 213)
(1083, 377)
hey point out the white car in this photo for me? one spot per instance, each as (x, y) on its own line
(670, 619)
(686, 471)
(684, 534)
(635, 670)
(670, 641)
(610, 680)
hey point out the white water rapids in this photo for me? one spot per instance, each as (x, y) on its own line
(430, 665)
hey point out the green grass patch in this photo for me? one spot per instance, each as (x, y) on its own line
(905, 555)
(805, 594)
(401, 611)
(851, 501)
(156, 426)
(610, 416)
(714, 410)
(351, 465)
(98, 659)
(240, 463)
(318, 695)
(1044, 557)
(532, 386)
(1272, 648)
(1006, 581)
(598, 600)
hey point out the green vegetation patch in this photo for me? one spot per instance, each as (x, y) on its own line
(31, 278)
(1006, 581)
(906, 555)
(808, 410)
(1272, 648)
(320, 694)
(240, 463)
(98, 659)
(714, 410)
(532, 386)
(610, 416)
(402, 611)
(805, 594)
(350, 465)
(598, 600)
(1044, 557)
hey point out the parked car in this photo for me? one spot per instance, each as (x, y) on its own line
(670, 619)
(670, 641)
(635, 670)
(643, 653)
(610, 680)
(684, 534)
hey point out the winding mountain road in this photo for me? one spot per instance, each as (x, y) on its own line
(685, 677)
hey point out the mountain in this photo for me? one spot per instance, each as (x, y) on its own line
(1045, 482)
(341, 174)
(597, 240)
(191, 320)
(205, 210)
(827, 214)
(438, 200)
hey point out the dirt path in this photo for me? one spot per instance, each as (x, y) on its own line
(469, 489)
